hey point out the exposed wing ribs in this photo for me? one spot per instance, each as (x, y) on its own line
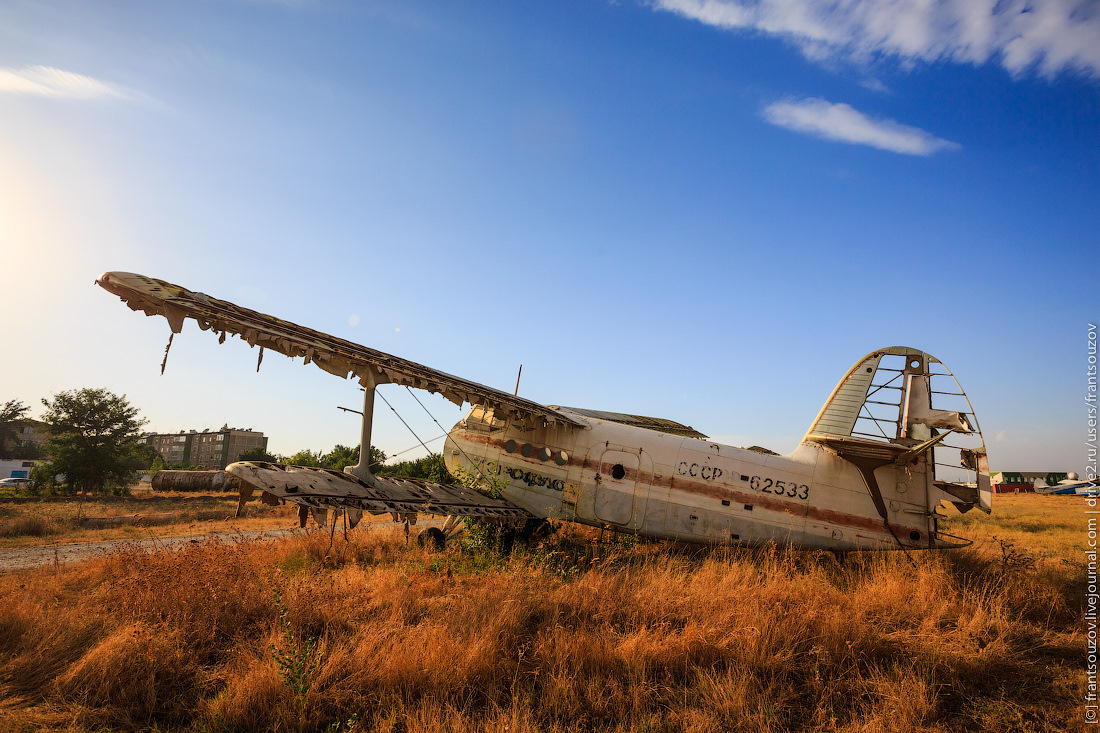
(330, 353)
(320, 488)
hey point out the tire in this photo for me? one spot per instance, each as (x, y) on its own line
(433, 537)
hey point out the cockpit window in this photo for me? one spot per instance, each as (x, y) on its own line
(482, 418)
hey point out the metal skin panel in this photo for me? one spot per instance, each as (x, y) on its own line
(865, 476)
(838, 415)
(621, 501)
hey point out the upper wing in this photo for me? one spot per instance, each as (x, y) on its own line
(334, 355)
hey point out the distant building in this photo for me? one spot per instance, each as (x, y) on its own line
(1014, 482)
(16, 468)
(212, 449)
(31, 435)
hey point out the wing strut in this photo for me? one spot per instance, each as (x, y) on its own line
(362, 469)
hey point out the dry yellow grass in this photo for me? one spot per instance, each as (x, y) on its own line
(36, 522)
(55, 520)
(1048, 526)
(372, 635)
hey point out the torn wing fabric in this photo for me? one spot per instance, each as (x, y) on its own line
(332, 354)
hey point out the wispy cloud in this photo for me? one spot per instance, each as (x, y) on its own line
(842, 122)
(1050, 35)
(45, 81)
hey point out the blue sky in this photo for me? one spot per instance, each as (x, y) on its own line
(699, 210)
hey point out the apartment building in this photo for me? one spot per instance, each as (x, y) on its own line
(28, 441)
(209, 448)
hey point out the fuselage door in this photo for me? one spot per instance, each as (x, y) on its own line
(618, 474)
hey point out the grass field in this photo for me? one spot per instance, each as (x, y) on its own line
(35, 522)
(60, 519)
(296, 635)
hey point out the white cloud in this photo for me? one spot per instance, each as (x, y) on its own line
(1052, 35)
(45, 81)
(874, 85)
(844, 123)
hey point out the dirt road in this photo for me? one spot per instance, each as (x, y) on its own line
(26, 558)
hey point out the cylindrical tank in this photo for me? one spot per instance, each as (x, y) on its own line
(165, 480)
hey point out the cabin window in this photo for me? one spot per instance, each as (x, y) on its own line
(482, 418)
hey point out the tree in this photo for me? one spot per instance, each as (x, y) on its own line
(428, 468)
(337, 459)
(93, 438)
(342, 456)
(304, 457)
(257, 454)
(12, 416)
(157, 465)
(145, 457)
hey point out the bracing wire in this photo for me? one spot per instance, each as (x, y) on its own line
(424, 445)
(425, 409)
(395, 455)
(402, 452)
(395, 412)
(474, 463)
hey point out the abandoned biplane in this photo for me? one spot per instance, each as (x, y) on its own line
(895, 439)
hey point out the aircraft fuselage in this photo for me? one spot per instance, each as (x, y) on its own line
(666, 486)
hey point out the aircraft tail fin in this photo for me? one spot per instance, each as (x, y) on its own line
(902, 405)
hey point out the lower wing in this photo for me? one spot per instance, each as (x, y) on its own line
(321, 489)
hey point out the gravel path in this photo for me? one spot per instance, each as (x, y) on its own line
(27, 558)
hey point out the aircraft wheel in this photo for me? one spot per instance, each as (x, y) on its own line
(432, 537)
(534, 530)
